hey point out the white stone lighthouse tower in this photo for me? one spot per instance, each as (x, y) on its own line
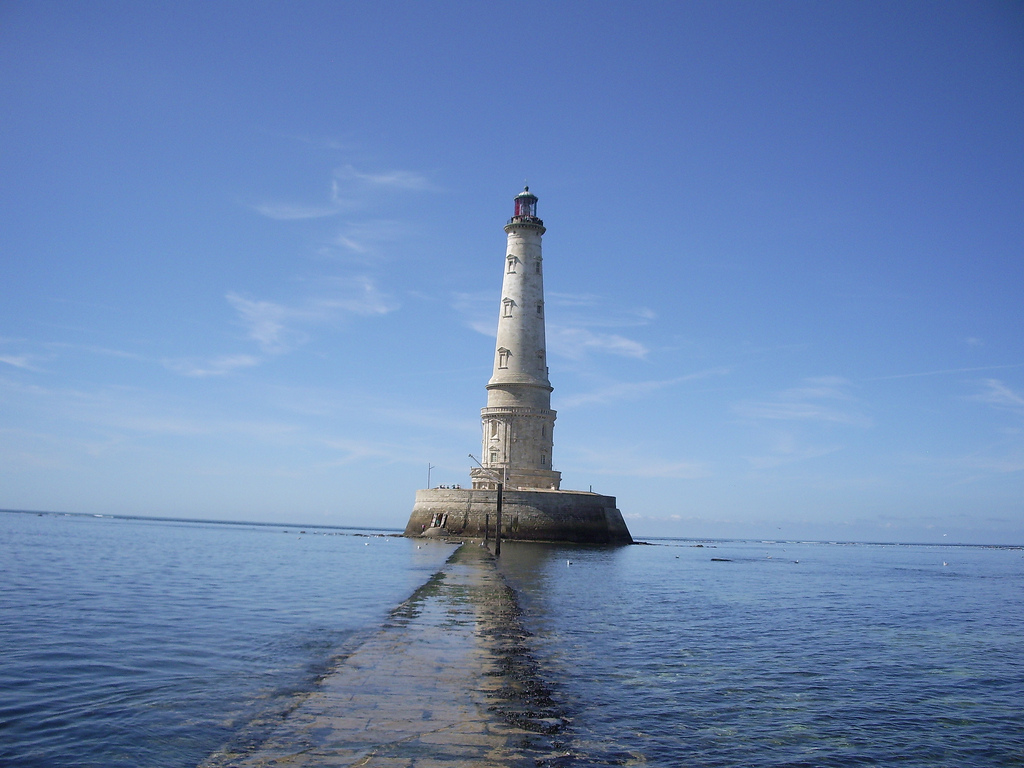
(518, 426)
(518, 423)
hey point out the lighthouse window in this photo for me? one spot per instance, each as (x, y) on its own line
(536, 266)
(511, 264)
(540, 309)
(503, 356)
(507, 305)
(494, 428)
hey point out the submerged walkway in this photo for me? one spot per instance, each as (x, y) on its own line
(448, 681)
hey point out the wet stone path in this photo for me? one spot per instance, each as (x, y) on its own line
(448, 681)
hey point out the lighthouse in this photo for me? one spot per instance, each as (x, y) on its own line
(518, 426)
(518, 423)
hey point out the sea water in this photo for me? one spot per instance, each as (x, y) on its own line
(149, 644)
(127, 642)
(782, 653)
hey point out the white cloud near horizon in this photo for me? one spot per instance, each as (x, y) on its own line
(124, 418)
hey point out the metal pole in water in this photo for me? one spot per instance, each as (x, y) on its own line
(497, 533)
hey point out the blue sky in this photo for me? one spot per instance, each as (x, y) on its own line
(252, 255)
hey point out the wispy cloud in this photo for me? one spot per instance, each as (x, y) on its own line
(789, 450)
(218, 366)
(823, 399)
(292, 211)
(795, 418)
(570, 333)
(393, 179)
(579, 323)
(1005, 456)
(350, 190)
(356, 296)
(988, 465)
(351, 244)
(632, 462)
(366, 237)
(25, 362)
(278, 327)
(480, 310)
(266, 322)
(633, 390)
(575, 343)
(999, 395)
(945, 371)
(561, 299)
(600, 313)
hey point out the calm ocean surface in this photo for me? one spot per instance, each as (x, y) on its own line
(150, 644)
(783, 654)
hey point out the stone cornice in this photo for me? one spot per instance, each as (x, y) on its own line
(510, 382)
(513, 410)
(537, 225)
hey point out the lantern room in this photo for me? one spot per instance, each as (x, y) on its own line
(526, 206)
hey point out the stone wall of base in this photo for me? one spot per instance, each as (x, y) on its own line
(534, 515)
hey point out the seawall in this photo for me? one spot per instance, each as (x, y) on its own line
(449, 680)
(527, 515)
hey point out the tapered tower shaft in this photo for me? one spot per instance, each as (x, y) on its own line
(518, 423)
